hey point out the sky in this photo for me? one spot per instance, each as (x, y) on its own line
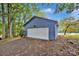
(48, 10)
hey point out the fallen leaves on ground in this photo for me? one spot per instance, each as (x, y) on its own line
(34, 47)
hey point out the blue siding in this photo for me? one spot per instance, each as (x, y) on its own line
(56, 31)
(43, 23)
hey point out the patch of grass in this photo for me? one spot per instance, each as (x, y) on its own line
(74, 38)
(7, 40)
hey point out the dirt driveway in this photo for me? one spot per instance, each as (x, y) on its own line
(33, 47)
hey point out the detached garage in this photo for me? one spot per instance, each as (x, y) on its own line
(41, 28)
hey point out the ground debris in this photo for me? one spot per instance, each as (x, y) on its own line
(33, 47)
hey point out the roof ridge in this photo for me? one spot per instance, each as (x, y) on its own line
(44, 18)
(38, 17)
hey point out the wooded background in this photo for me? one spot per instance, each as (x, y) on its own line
(13, 16)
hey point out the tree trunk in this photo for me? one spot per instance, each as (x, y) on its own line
(14, 28)
(9, 22)
(66, 29)
(3, 22)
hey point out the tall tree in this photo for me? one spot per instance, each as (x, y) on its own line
(70, 7)
(68, 25)
(9, 22)
(25, 12)
(3, 22)
(16, 15)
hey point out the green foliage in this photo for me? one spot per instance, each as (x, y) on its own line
(19, 15)
(73, 25)
(68, 6)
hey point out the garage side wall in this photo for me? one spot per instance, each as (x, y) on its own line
(40, 23)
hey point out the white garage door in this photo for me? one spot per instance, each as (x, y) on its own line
(42, 33)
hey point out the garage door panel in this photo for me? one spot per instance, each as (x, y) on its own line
(42, 33)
